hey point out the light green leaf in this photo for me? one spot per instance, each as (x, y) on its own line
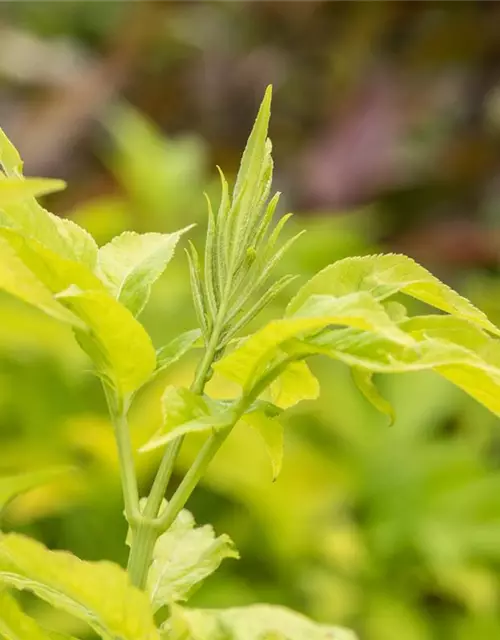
(364, 381)
(17, 280)
(271, 431)
(385, 275)
(247, 363)
(14, 189)
(471, 360)
(13, 486)
(131, 263)
(295, 384)
(9, 156)
(98, 593)
(117, 343)
(254, 622)
(15, 624)
(54, 271)
(183, 557)
(176, 348)
(183, 412)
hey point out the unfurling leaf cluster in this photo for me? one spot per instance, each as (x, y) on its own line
(346, 312)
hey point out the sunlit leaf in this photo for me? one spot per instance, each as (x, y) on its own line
(98, 593)
(131, 263)
(15, 189)
(295, 384)
(183, 412)
(17, 280)
(183, 557)
(246, 363)
(176, 348)
(15, 624)
(254, 622)
(383, 276)
(117, 343)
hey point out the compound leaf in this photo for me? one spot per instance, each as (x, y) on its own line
(14, 189)
(385, 275)
(271, 431)
(363, 379)
(98, 593)
(15, 624)
(176, 348)
(295, 384)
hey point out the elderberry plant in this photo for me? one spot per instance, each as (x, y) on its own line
(345, 312)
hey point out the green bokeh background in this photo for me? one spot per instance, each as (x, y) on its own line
(386, 127)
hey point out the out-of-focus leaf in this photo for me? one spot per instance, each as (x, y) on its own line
(364, 381)
(53, 270)
(271, 431)
(12, 486)
(183, 557)
(295, 384)
(131, 263)
(98, 593)
(17, 280)
(117, 343)
(385, 275)
(248, 623)
(15, 189)
(15, 624)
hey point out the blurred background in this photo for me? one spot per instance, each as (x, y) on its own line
(386, 131)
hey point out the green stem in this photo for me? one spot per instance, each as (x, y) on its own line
(118, 414)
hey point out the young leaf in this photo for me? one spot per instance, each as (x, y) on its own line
(13, 486)
(271, 431)
(183, 412)
(176, 348)
(131, 263)
(364, 381)
(17, 280)
(98, 593)
(9, 156)
(197, 289)
(295, 384)
(15, 624)
(14, 189)
(183, 557)
(246, 363)
(254, 622)
(385, 275)
(117, 344)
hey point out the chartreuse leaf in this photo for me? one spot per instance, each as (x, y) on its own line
(254, 622)
(295, 384)
(61, 236)
(469, 358)
(246, 363)
(117, 343)
(364, 381)
(13, 486)
(15, 624)
(385, 275)
(176, 348)
(53, 270)
(271, 431)
(183, 412)
(15, 189)
(183, 557)
(17, 280)
(98, 593)
(131, 263)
